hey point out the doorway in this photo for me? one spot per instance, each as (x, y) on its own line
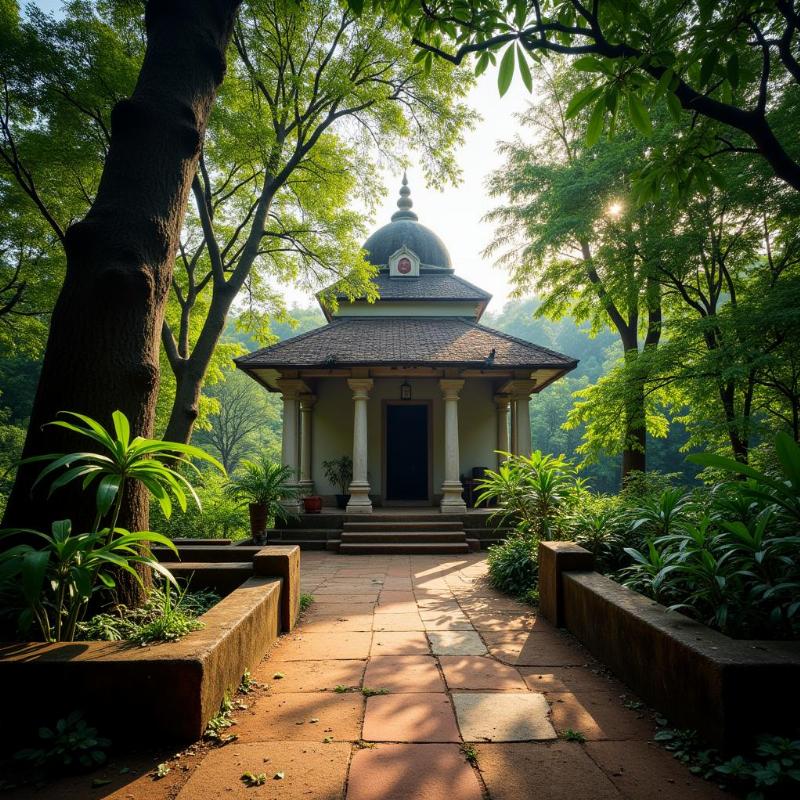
(407, 453)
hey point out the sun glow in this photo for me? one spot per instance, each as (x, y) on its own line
(615, 209)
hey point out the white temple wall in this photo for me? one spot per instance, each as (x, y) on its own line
(332, 428)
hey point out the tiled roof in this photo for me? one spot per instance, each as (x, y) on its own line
(445, 341)
(428, 286)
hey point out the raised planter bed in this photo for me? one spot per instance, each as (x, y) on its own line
(730, 690)
(168, 691)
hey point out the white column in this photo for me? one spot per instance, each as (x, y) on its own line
(503, 406)
(521, 396)
(290, 389)
(452, 501)
(306, 412)
(523, 425)
(359, 502)
(512, 413)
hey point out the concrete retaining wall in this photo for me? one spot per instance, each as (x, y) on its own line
(730, 690)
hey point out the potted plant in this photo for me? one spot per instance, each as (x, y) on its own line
(312, 504)
(339, 471)
(262, 485)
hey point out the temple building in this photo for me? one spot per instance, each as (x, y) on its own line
(412, 386)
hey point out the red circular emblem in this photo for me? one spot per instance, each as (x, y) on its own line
(404, 266)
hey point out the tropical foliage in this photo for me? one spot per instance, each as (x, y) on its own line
(49, 579)
(265, 483)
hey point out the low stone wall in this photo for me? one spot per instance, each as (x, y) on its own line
(166, 691)
(730, 690)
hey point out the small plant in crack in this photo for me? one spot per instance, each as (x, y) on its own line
(470, 753)
(367, 692)
(570, 735)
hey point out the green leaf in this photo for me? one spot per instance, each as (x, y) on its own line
(638, 114)
(589, 64)
(708, 65)
(524, 69)
(582, 99)
(596, 120)
(34, 570)
(674, 106)
(732, 69)
(506, 72)
(663, 84)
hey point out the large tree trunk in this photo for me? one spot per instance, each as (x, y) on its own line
(102, 351)
(634, 454)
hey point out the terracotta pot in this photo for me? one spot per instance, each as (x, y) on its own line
(342, 500)
(258, 522)
(312, 504)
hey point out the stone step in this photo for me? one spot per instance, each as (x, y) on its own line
(403, 525)
(402, 536)
(206, 553)
(404, 548)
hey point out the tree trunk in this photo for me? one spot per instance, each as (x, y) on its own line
(634, 453)
(103, 347)
(190, 372)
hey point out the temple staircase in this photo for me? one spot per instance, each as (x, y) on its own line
(384, 533)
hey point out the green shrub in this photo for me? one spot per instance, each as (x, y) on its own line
(70, 743)
(514, 565)
(50, 586)
(167, 615)
(730, 562)
(533, 493)
(265, 482)
(218, 516)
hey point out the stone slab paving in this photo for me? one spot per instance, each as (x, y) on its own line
(503, 717)
(463, 665)
(456, 643)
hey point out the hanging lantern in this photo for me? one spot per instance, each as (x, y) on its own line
(405, 390)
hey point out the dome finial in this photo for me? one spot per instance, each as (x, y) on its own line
(404, 203)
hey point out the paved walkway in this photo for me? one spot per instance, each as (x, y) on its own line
(462, 670)
(403, 668)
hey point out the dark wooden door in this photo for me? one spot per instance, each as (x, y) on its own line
(407, 452)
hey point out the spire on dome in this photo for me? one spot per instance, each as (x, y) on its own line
(405, 202)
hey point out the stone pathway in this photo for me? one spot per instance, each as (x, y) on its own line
(450, 668)
(411, 679)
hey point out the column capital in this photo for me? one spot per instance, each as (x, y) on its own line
(361, 387)
(503, 400)
(451, 387)
(520, 389)
(307, 401)
(292, 388)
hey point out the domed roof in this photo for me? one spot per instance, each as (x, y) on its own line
(404, 229)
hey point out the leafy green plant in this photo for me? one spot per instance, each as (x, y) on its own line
(781, 491)
(221, 721)
(146, 623)
(570, 735)
(470, 753)
(339, 472)
(251, 779)
(219, 516)
(171, 622)
(514, 565)
(265, 483)
(367, 692)
(70, 743)
(120, 459)
(306, 600)
(740, 575)
(57, 580)
(775, 772)
(532, 492)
